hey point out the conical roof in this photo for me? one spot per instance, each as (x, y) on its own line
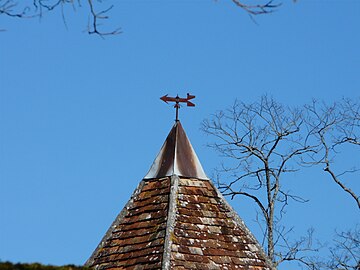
(177, 219)
(176, 157)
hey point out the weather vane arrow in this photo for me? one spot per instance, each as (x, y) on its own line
(179, 100)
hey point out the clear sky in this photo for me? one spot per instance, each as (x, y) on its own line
(81, 120)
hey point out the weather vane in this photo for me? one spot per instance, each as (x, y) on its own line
(177, 101)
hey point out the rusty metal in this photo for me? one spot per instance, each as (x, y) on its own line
(177, 101)
(176, 157)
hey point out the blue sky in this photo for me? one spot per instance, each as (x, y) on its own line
(81, 120)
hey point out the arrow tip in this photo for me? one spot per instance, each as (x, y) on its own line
(164, 98)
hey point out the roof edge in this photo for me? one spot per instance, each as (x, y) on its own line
(242, 224)
(120, 216)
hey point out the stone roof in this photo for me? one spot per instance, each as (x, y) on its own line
(175, 220)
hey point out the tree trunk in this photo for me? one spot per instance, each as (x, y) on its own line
(270, 218)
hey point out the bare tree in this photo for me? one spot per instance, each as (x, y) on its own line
(346, 252)
(336, 128)
(98, 11)
(263, 143)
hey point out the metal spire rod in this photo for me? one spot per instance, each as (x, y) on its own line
(177, 101)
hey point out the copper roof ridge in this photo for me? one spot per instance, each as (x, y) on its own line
(176, 157)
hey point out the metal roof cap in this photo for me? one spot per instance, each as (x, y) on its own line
(176, 157)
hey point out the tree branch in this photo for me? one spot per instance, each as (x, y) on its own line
(258, 9)
(341, 184)
(17, 9)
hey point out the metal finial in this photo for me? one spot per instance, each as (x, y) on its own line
(177, 101)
